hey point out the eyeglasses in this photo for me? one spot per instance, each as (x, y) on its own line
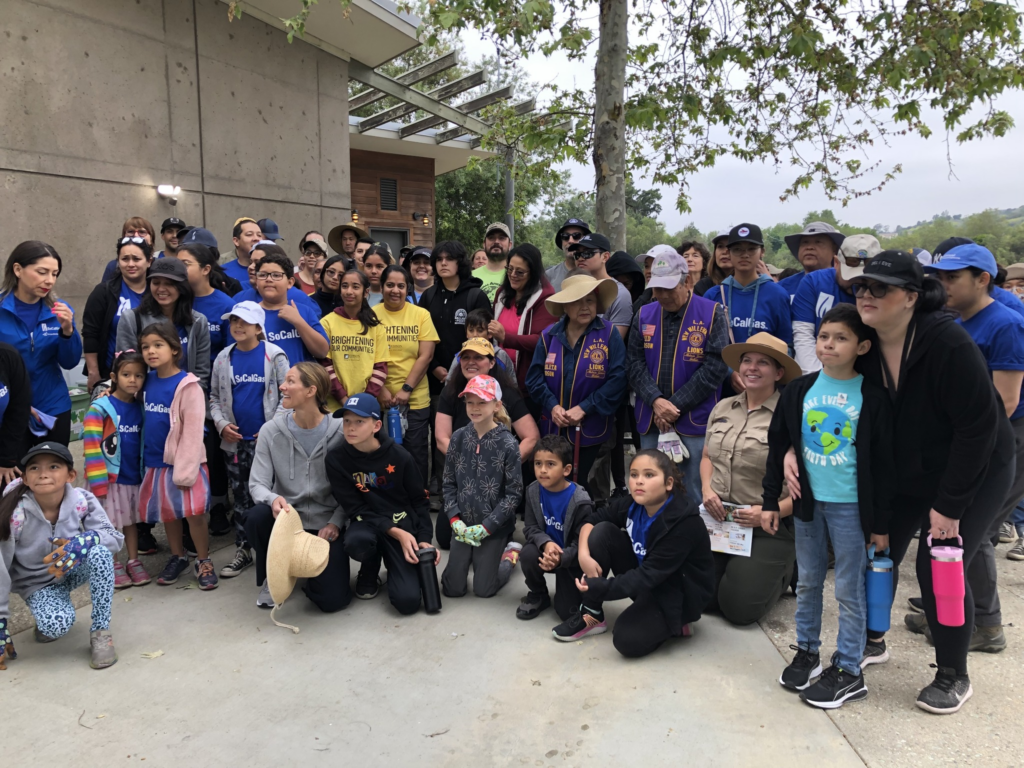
(518, 272)
(273, 277)
(584, 255)
(316, 252)
(132, 240)
(572, 236)
(136, 232)
(878, 290)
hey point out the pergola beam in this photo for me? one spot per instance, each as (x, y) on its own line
(413, 99)
(469, 107)
(522, 108)
(566, 125)
(413, 76)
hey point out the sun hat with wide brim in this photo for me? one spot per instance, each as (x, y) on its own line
(576, 287)
(292, 554)
(765, 344)
(334, 236)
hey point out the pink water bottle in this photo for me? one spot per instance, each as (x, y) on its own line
(948, 583)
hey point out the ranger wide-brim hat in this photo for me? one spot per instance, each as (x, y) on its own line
(814, 228)
(576, 287)
(292, 554)
(765, 344)
(334, 236)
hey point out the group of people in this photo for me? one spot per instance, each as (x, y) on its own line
(621, 406)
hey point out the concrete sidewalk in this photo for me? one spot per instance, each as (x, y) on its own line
(469, 686)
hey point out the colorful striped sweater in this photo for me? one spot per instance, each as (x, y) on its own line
(102, 455)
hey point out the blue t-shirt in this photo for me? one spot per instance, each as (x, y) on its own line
(1008, 299)
(553, 507)
(158, 395)
(237, 271)
(817, 294)
(828, 433)
(999, 334)
(129, 435)
(183, 338)
(638, 524)
(128, 299)
(791, 283)
(761, 306)
(28, 313)
(294, 294)
(248, 385)
(5, 400)
(284, 335)
(213, 307)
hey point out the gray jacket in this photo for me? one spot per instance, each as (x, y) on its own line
(281, 468)
(275, 368)
(198, 354)
(483, 479)
(21, 556)
(576, 514)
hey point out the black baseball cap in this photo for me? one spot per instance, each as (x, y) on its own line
(570, 223)
(745, 233)
(897, 268)
(172, 223)
(57, 449)
(172, 269)
(592, 241)
(948, 245)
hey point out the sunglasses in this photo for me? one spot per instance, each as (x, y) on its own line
(853, 261)
(572, 236)
(517, 272)
(132, 240)
(584, 255)
(878, 290)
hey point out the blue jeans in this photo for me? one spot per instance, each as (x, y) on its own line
(842, 521)
(1017, 518)
(690, 467)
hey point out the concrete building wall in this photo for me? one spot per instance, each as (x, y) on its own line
(102, 100)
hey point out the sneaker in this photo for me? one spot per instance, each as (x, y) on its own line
(947, 693)
(533, 605)
(137, 573)
(174, 568)
(1007, 533)
(874, 653)
(41, 638)
(121, 578)
(265, 600)
(103, 653)
(916, 604)
(835, 687)
(219, 523)
(620, 493)
(367, 585)
(582, 622)
(147, 543)
(1017, 550)
(804, 667)
(511, 553)
(205, 574)
(988, 640)
(243, 559)
(917, 623)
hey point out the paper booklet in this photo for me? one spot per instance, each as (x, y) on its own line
(728, 536)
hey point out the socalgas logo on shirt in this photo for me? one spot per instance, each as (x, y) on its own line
(129, 429)
(552, 522)
(283, 335)
(3, 391)
(249, 378)
(749, 322)
(638, 548)
(157, 408)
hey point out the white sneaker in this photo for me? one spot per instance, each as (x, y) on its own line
(243, 559)
(1007, 533)
(265, 600)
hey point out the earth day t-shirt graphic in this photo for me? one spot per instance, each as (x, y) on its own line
(829, 432)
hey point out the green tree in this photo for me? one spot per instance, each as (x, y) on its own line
(645, 203)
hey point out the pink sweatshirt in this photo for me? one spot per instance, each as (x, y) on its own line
(184, 449)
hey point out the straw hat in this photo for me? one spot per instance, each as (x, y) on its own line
(765, 344)
(334, 236)
(576, 287)
(292, 554)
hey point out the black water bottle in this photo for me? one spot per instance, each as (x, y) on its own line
(428, 579)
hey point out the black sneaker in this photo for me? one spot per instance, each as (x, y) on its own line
(243, 559)
(874, 653)
(804, 668)
(947, 693)
(219, 523)
(147, 541)
(835, 687)
(916, 604)
(582, 622)
(532, 605)
(620, 493)
(367, 585)
(174, 568)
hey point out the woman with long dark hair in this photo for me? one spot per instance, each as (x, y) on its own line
(719, 266)
(519, 307)
(42, 329)
(15, 405)
(376, 259)
(208, 282)
(326, 296)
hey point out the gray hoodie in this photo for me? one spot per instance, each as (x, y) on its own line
(483, 479)
(275, 368)
(21, 556)
(198, 353)
(576, 514)
(282, 468)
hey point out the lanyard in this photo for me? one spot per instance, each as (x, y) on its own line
(753, 308)
(887, 377)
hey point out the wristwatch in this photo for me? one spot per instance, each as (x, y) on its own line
(407, 388)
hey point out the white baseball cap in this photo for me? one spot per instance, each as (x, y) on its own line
(249, 311)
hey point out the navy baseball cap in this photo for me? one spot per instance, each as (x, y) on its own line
(269, 229)
(592, 241)
(201, 236)
(364, 404)
(964, 256)
(54, 449)
(172, 223)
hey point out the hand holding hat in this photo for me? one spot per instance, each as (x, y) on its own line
(292, 554)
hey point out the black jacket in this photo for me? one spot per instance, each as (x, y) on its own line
(876, 471)
(327, 302)
(448, 311)
(678, 569)
(14, 433)
(97, 319)
(383, 488)
(946, 414)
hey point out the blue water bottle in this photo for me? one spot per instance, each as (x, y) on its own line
(879, 591)
(395, 424)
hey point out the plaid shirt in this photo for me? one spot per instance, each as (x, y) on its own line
(706, 380)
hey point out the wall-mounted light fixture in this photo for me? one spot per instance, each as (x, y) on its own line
(424, 216)
(355, 216)
(169, 192)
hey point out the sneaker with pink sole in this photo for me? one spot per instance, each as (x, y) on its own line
(121, 579)
(137, 573)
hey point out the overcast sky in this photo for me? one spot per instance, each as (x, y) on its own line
(989, 173)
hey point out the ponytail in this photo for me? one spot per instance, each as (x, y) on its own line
(205, 257)
(932, 296)
(502, 417)
(8, 504)
(666, 465)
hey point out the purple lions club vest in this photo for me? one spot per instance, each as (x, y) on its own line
(687, 358)
(590, 374)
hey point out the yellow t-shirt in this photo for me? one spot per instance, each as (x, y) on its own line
(405, 330)
(354, 354)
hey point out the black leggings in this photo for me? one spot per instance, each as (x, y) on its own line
(642, 627)
(366, 544)
(951, 643)
(60, 432)
(215, 463)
